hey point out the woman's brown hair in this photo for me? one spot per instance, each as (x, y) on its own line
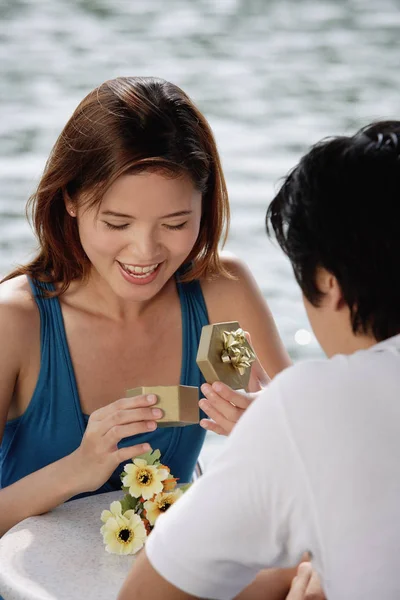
(126, 125)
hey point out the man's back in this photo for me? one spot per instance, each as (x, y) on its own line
(346, 426)
(311, 466)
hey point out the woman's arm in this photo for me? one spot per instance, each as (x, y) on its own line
(241, 300)
(90, 465)
(52, 485)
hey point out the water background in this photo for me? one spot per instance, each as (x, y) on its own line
(271, 76)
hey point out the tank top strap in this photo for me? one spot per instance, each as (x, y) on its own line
(194, 317)
(56, 369)
(47, 312)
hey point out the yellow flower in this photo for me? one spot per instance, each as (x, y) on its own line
(122, 533)
(143, 480)
(154, 508)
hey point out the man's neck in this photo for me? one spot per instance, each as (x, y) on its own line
(350, 343)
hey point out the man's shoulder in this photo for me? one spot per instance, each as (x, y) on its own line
(306, 387)
(292, 391)
(343, 381)
(313, 374)
(336, 372)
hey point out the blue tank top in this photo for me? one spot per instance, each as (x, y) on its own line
(53, 424)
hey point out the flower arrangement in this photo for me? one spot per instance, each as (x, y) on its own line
(150, 490)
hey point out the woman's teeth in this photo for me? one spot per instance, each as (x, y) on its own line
(139, 272)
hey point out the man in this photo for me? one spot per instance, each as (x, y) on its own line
(313, 463)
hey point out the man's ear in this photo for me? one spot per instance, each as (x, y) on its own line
(330, 288)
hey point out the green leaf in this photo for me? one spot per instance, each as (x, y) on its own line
(128, 502)
(151, 457)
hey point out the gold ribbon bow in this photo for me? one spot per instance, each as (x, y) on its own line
(236, 350)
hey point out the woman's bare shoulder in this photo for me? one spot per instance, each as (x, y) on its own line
(17, 306)
(221, 292)
(19, 330)
(240, 299)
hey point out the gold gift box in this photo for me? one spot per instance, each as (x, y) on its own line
(179, 403)
(225, 355)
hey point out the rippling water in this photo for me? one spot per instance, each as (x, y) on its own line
(271, 76)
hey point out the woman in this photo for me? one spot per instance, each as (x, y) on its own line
(129, 213)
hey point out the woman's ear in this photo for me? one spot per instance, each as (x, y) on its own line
(69, 205)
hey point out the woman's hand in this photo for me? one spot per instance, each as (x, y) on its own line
(259, 378)
(98, 455)
(224, 406)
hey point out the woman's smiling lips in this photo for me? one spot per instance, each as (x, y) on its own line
(140, 275)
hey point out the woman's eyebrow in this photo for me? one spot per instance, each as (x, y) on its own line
(112, 213)
(180, 213)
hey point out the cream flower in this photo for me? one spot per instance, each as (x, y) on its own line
(122, 533)
(143, 480)
(161, 503)
(115, 511)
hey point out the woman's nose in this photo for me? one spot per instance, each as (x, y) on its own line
(145, 247)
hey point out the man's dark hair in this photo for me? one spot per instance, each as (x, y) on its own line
(339, 209)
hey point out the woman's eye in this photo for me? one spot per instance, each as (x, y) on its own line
(114, 227)
(174, 227)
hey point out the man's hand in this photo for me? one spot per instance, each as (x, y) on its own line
(306, 584)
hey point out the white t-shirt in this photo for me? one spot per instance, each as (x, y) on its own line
(314, 464)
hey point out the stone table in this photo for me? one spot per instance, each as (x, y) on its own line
(61, 556)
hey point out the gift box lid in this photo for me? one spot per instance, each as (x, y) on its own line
(225, 355)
